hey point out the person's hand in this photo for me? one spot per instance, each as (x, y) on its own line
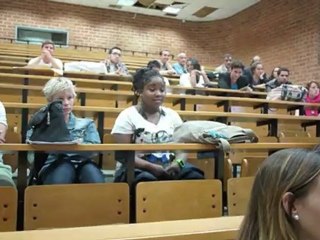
(2, 138)
(158, 170)
(246, 89)
(45, 54)
(170, 72)
(173, 169)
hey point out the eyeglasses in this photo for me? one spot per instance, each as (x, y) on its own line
(116, 53)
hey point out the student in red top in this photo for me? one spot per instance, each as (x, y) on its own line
(312, 97)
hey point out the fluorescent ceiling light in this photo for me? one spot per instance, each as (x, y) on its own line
(126, 2)
(172, 10)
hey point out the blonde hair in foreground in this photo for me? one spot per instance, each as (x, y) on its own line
(56, 85)
(289, 170)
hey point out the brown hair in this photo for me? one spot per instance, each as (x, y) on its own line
(289, 170)
(47, 42)
(312, 81)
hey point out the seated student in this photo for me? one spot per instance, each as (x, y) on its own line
(282, 78)
(226, 66)
(5, 170)
(76, 167)
(233, 79)
(150, 122)
(273, 74)
(165, 66)
(113, 62)
(196, 77)
(46, 58)
(247, 71)
(284, 201)
(258, 75)
(180, 66)
(312, 97)
(155, 65)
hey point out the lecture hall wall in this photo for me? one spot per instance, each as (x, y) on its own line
(282, 32)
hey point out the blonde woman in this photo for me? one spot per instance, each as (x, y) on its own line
(284, 203)
(76, 167)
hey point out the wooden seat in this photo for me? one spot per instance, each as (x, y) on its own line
(238, 195)
(11, 158)
(206, 165)
(8, 209)
(250, 165)
(76, 205)
(175, 200)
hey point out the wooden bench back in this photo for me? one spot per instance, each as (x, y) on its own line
(8, 209)
(238, 195)
(76, 205)
(250, 165)
(174, 200)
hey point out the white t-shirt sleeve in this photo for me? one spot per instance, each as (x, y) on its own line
(201, 82)
(185, 80)
(3, 117)
(59, 63)
(32, 61)
(174, 117)
(123, 123)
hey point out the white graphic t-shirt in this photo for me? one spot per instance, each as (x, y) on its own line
(130, 121)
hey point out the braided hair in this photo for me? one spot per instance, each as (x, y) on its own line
(142, 77)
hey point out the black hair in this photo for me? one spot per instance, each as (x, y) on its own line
(164, 50)
(195, 65)
(283, 69)
(153, 64)
(237, 64)
(142, 77)
(111, 49)
(271, 74)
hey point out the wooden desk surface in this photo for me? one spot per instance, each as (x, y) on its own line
(171, 98)
(222, 228)
(188, 115)
(147, 147)
(93, 83)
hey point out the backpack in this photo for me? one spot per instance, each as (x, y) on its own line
(293, 92)
(48, 124)
(213, 132)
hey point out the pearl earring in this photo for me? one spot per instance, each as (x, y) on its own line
(295, 216)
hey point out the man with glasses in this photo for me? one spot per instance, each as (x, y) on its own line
(226, 66)
(113, 63)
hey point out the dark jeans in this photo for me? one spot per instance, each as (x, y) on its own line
(189, 172)
(65, 172)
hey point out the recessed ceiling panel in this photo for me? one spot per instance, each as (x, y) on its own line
(192, 10)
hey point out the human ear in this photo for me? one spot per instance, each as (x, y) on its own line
(288, 204)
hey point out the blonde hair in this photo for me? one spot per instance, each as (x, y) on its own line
(290, 170)
(56, 85)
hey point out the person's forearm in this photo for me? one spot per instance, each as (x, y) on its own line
(142, 164)
(35, 61)
(3, 131)
(56, 64)
(193, 80)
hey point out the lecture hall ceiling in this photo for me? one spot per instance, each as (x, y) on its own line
(184, 10)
